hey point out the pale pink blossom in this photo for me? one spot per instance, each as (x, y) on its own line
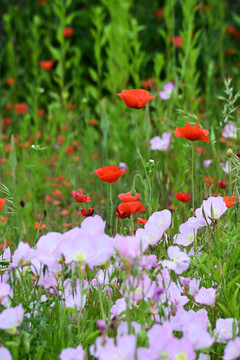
(232, 350)
(206, 296)
(5, 353)
(224, 329)
(73, 353)
(179, 260)
(186, 235)
(11, 318)
(22, 255)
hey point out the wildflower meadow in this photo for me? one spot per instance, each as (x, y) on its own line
(119, 180)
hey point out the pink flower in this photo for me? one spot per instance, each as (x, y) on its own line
(5, 353)
(197, 334)
(129, 247)
(230, 131)
(73, 353)
(232, 350)
(5, 290)
(22, 255)
(207, 163)
(161, 144)
(151, 234)
(139, 288)
(186, 236)
(212, 208)
(163, 332)
(124, 349)
(206, 296)
(224, 329)
(180, 349)
(11, 318)
(180, 261)
(168, 90)
(119, 306)
(75, 297)
(162, 218)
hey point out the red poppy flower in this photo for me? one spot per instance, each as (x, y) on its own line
(141, 221)
(233, 31)
(2, 202)
(128, 197)
(68, 32)
(79, 197)
(192, 133)
(229, 202)
(177, 41)
(184, 197)
(208, 180)
(46, 65)
(159, 14)
(148, 83)
(110, 173)
(10, 81)
(6, 121)
(37, 224)
(126, 209)
(135, 98)
(90, 212)
(40, 112)
(222, 184)
(64, 212)
(21, 108)
(69, 150)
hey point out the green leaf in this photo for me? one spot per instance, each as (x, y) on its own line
(224, 309)
(93, 74)
(232, 283)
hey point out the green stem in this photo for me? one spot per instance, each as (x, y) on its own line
(193, 193)
(111, 210)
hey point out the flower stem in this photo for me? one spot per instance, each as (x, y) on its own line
(193, 193)
(111, 210)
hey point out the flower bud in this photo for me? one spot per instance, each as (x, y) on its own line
(229, 153)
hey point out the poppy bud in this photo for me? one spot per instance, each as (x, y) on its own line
(133, 192)
(22, 203)
(229, 153)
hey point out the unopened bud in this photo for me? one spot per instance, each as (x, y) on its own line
(229, 153)
(133, 192)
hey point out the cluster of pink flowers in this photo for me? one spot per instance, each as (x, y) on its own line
(90, 246)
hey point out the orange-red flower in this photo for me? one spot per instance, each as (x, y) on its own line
(233, 31)
(184, 197)
(222, 184)
(125, 209)
(2, 202)
(21, 108)
(177, 41)
(90, 212)
(6, 121)
(46, 65)
(159, 14)
(79, 197)
(148, 83)
(128, 197)
(192, 133)
(37, 224)
(229, 202)
(110, 173)
(141, 221)
(208, 180)
(135, 98)
(68, 32)
(10, 81)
